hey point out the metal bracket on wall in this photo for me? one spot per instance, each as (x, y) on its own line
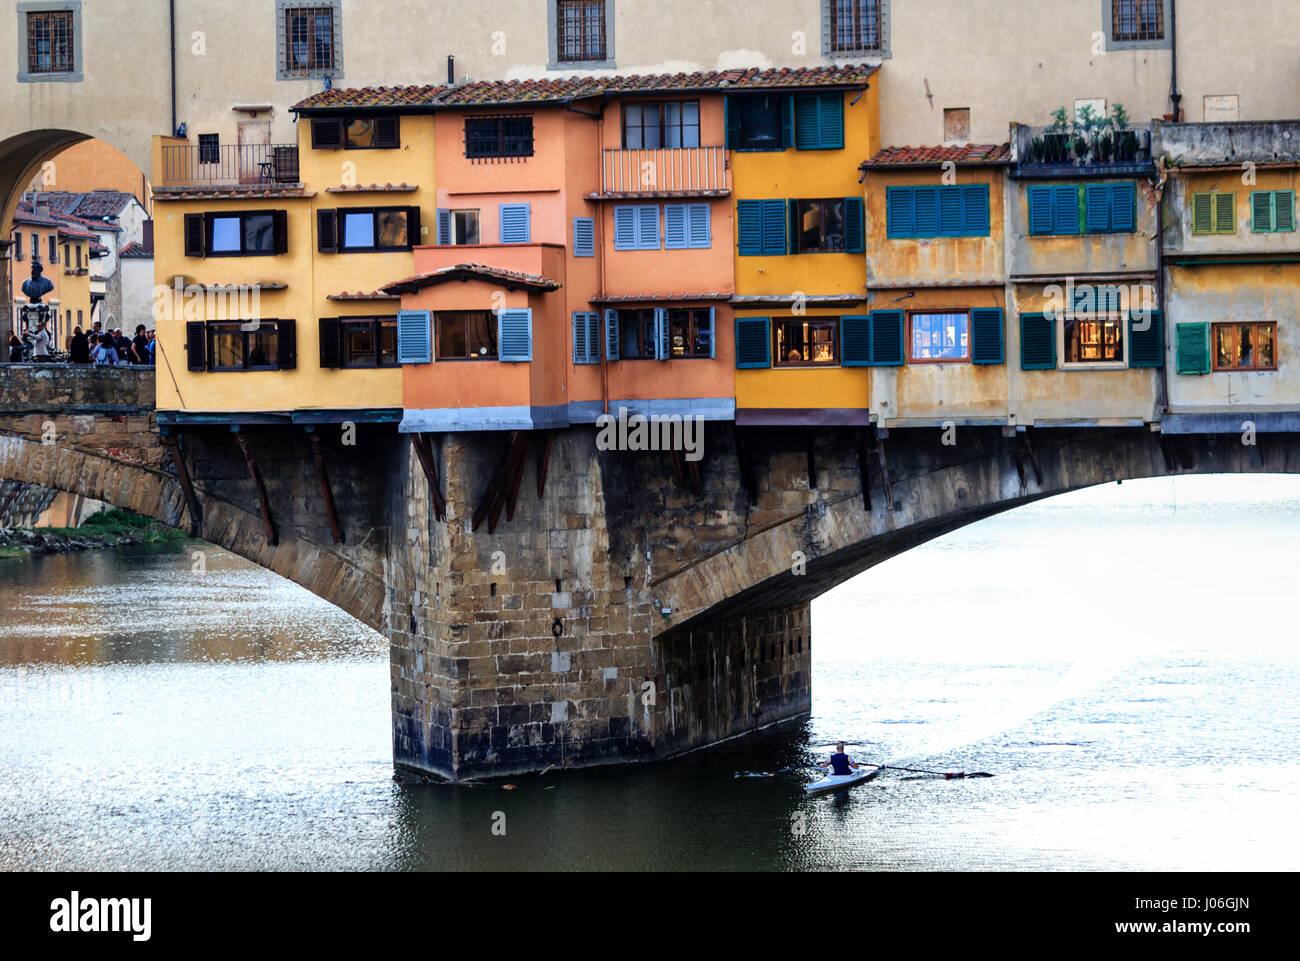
(860, 446)
(318, 454)
(172, 444)
(881, 434)
(423, 448)
(1025, 459)
(264, 502)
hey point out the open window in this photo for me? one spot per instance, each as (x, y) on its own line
(466, 335)
(806, 342)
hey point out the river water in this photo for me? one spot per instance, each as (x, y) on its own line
(1123, 660)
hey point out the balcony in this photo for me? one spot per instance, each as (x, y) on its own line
(1102, 150)
(667, 172)
(230, 165)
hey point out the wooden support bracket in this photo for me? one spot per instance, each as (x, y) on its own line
(326, 494)
(544, 463)
(503, 488)
(884, 469)
(745, 465)
(172, 445)
(424, 454)
(271, 537)
(860, 443)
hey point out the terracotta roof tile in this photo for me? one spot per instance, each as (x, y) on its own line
(471, 272)
(345, 97)
(135, 249)
(975, 153)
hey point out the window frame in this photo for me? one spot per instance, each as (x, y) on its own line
(376, 324)
(283, 10)
(692, 332)
(438, 317)
(501, 137)
(1254, 325)
(663, 126)
(209, 148)
(1111, 13)
(341, 228)
(833, 323)
(646, 334)
(831, 49)
(822, 202)
(210, 216)
(939, 312)
(784, 119)
(212, 328)
(1102, 317)
(42, 10)
(478, 226)
(555, 61)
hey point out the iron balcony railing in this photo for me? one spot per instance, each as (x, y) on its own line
(230, 164)
(684, 170)
(1098, 147)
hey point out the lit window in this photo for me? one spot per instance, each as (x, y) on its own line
(1245, 346)
(940, 337)
(806, 343)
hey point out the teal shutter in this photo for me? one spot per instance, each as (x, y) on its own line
(1123, 208)
(900, 220)
(854, 225)
(886, 338)
(753, 343)
(515, 226)
(749, 227)
(1040, 211)
(515, 336)
(625, 228)
(975, 210)
(925, 201)
(663, 350)
(1097, 201)
(787, 121)
(713, 338)
(1037, 342)
(699, 228)
(1146, 340)
(832, 121)
(855, 341)
(647, 227)
(414, 341)
(584, 237)
(1065, 209)
(611, 335)
(1284, 211)
(1192, 348)
(950, 212)
(444, 227)
(794, 224)
(731, 118)
(675, 227)
(1261, 211)
(819, 121)
(774, 240)
(986, 336)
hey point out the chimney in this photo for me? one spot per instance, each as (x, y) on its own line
(451, 71)
(42, 205)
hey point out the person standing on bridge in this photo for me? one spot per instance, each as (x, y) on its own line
(15, 348)
(79, 348)
(41, 344)
(839, 763)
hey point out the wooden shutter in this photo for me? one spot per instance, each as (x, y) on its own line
(900, 219)
(1284, 210)
(280, 231)
(413, 235)
(787, 121)
(196, 345)
(753, 343)
(1097, 202)
(327, 231)
(611, 335)
(749, 227)
(1192, 348)
(1040, 211)
(593, 336)
(1037, 342)
(854, 225)
(1261, 211)
(1065, 209)
(625, 228)
(1225, 213)
(950, 211)
(515, 224)
(286, 344)
(584, 237)
(18, 246)
(855, 341)
(793, 223)
(444, 227)
(414, 337)
(647, 227)
(925, 207)
(331, 343)
(713, 333)
(195, 235)
(1123, 208)
(581, 342)
(327, 133)
(388, 134)
(886, 338)
(975, 210)
(807, 126)
(675, 227)
(663, 349)
(774, 240)
(1202, 214)
(699, 227)
(986, 336)
(515, 336)
(1146, 339)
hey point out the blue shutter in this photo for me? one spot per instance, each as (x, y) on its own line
(663, 349)
(414, 344)
(1123, 208)
(855, 341)
(787, 121)
(832, 121)
(444, 226)
(515, 335)
(950, 211)
(611, 335)
(975, 210)
(986, 336)
(584, 237)
(515, 224)
(647, 227)
(731, 120)
(1040, 211)
(753, 342)
(580, 340)
(1097, 201)
(853, 225)
(625, 228)
(926, 208)
(1037, 342)
(699, 229)
(749, 227)
(1065, 209)
(886, 338)
(713, 333)
(675, 227)
(807, 129)
(900, 219)
(774, 240)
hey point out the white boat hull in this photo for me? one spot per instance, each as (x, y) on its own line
(834, 782)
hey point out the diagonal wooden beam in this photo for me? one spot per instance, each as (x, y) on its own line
(884, 468)
(326, 494)
(744, 464)
(265, 502)
(172, 445)
(860, 443)
(509, 491)
(544, 463)
(423, 448)
(494, 498)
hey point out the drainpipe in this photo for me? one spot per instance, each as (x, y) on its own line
(171, 11)
(599, 117)
(1162, 401)
(1175, 97)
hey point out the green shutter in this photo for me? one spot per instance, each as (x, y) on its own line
(1225, 213)
(900, 217)
(1202, 214)
(1097, 203)
(886, 338)
(819, 121)
(1284, 211)
(986, 336)
(1037, 342)
(855, 341)
(753, 343)
(749, 227)
(1040, 210)
(1192, 348)
(854, 225)
(787, 121)
(774, 238)
(1146, 339)
(1261, 212)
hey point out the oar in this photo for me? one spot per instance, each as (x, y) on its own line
(949, 775)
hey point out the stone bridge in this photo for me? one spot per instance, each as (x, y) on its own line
(550, 604)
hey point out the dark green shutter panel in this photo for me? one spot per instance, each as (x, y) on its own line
(1284, 210)
(1261, 211)
(327, 231)
(855, 341)
(925, 208)
(753, 343)
(899, 218)
(327, 133)
(1066, 201)
(1202, 214)
(413, 233)
(1040, 211)
(794, 223)
(787, 121)
(195, 236)
(1097, 202)
(950, 211)
(388, 132)
(1192, 348)
(1037, 342)
(832, 121)
(732, 120)
(1146, 339)
(280, 231)
(986, 336)
(1225, 213)
(886, 338)
(749, 227)
(975, 210)
(331, 343)
(196, 345)
(807, 126)
(854, 225)
(286, 344)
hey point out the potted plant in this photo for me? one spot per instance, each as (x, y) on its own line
(1056, 141)
(1126, 141)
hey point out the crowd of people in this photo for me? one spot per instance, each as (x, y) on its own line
(96, 346)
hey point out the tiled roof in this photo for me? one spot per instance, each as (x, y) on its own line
(91, 205)
(229, 193)
(402, 188)
(509, 278)
(685, 298)
(974, 153)
(135, 249)
(362, 295)
(69, 229)
(25, 215)
(487, 93)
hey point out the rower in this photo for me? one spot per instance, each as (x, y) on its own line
(839, 762)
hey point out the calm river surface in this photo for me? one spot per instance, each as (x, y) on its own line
(1124, 660)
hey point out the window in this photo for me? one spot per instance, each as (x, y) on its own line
(690, 332)
(584, 237)
(375, 228)
(51, 46)
(1094, 340)
(637, 227)
(54, 249)
(464, 227)
(760, 227)
(581, 32)
(1272, 211)
(760, 121)
(499, 137)
(1133, 20)
(818, 226)
(368, 341)
(252, 345)
(1214, 213)
(515, 223)
(309, 37)
(18, 246)
(247, 234)
(650, 126)
(636, 334)
(853, 26)
(467, 335)
(947, 211)
(1082, 209)
(807, 343)
(1245, 346)
(67, 255)
(940, 337)
(209, 148)
(687, 227)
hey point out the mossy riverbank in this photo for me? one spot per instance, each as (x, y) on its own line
(112, 528)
